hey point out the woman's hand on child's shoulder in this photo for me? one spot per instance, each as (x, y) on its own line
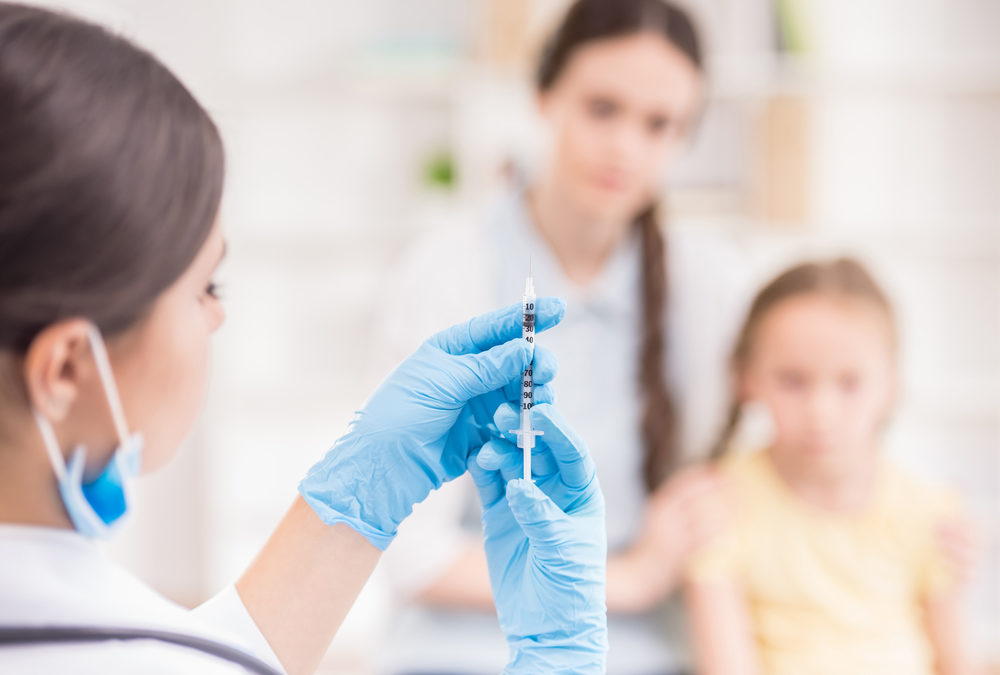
(682, 515)
(688, 511)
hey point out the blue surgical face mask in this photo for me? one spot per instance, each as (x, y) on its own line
(97, 506)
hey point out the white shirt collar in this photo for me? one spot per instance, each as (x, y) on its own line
(514, 235)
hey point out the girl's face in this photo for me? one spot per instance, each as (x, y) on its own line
(825, 368)
(618, 113)
(161, 364)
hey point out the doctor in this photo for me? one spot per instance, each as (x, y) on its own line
(110, 181)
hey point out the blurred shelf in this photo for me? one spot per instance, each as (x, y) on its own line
(764, 74)
(928, 240)
(426, 81)
(433, 78)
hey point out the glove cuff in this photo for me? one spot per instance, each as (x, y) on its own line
(358, 483)
(331, 516)
(582, 652)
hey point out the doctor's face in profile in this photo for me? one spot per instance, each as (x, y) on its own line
(618, 114)
(161, 363)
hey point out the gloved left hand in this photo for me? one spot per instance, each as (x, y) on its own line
(418, 428)
(546, 547)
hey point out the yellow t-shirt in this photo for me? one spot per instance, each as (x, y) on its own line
(832, 593)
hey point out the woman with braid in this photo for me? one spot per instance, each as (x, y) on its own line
(650, 313)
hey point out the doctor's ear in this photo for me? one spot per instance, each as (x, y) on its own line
(57, 361)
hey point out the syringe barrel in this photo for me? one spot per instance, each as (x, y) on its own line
(526, 435)
(528, 333)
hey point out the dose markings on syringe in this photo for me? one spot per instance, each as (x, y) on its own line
(528, 333)
(525, 434)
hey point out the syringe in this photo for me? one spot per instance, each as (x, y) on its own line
(526, 435)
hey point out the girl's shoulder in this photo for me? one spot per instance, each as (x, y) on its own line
(747, 470)
(904, 497)
(910, 496)
(912, 513)
(751, 484)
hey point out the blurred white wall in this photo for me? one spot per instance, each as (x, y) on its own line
(881, 137)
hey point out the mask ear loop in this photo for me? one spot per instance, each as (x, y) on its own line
(51, 444)
(108, 380)
(106, 375)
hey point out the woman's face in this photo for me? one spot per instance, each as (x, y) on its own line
(160, 365)
(618, 113)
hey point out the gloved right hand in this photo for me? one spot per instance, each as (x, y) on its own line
(417, 430)
(546, 546)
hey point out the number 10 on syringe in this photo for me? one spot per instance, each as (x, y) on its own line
(526, 435)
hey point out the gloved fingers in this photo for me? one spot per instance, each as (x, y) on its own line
(545, 393)
(542, 522)
(489, 483)
(543, 369)
(478, 374)
(545, 366)
(495, 328)
(542, 393)
(490, 457)
(499, 455)
(508, 416)
(507, 419)
(575, 464)
(505, 324)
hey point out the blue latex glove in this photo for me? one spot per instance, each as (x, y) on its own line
(546, 546)
(419, 427)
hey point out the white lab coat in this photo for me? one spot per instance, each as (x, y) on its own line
(458, 271)
(51, 576)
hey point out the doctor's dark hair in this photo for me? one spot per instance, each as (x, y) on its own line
(840, 279)
(590, 21)
(111, 175)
